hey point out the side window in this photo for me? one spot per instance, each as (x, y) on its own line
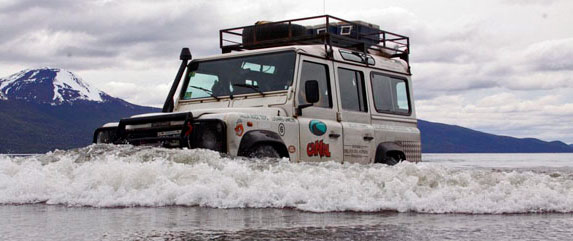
(318, 72)
(357, 57)
(390, 94)
(402, 103)
(352, 91)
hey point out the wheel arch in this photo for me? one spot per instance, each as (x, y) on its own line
(385, 150)
(262, 137)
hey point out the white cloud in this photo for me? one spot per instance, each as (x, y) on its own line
(504, 114)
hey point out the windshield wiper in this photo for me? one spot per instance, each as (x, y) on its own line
(206, 91)
(255, 88)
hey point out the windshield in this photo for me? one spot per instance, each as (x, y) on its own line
(249, 74)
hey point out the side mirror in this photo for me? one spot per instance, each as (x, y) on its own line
(311, 91)
(312, 95)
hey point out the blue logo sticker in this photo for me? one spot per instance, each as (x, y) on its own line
(317, 127)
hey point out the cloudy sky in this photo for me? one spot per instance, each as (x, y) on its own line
(504, 67)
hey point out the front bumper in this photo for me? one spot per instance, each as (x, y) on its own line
(169, 130)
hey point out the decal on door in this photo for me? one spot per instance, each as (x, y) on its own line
(355, 151)
(317, 127)
(282, 129)
(239, 129)
(291, 149)
(318, 148)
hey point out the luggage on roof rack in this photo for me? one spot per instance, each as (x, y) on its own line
(325, 29)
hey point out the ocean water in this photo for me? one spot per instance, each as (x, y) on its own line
(105, 192)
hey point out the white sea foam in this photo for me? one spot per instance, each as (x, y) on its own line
(120, 176)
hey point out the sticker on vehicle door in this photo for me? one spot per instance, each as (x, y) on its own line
(291, 149)
(318, 148)
(239, 129)
(317, 127)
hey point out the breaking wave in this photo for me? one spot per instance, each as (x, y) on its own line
(126, 176)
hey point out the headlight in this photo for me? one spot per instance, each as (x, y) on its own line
(209, 134)
(209, 140)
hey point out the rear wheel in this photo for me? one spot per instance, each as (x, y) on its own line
(392, 159)
(262, 151)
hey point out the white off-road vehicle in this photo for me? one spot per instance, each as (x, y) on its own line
(337, 90)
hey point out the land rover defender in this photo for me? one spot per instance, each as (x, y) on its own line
(333, 90)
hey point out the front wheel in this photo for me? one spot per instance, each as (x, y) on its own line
(262, 151)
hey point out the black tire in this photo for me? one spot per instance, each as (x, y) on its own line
(105, 135)
(264, 151)
(264, 32)
(392, 159)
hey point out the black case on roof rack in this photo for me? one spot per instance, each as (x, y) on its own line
(325, 29)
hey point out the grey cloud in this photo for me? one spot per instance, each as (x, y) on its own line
(465, 44)
(24, 5)
(453, 77)
(501, 112)
(540, 66)
(115, 27)
(554, 55)
(85, 51)
(451, 52)
(118, 34)
(529, 2)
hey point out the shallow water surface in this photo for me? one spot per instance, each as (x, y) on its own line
(56, 222)
(105, 192)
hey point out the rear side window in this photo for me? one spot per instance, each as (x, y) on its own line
(352, 91)
(318, 72)
(357, 57)
(390, 94)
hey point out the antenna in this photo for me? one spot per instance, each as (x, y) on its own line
(324, 6)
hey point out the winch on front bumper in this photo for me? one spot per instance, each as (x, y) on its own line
(170, 130)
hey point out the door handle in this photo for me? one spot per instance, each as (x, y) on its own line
(333, 135)
(368, 138)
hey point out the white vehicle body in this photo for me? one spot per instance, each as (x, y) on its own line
(365, 112)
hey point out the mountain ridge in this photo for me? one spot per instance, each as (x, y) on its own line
(444, 138)
(49, 108)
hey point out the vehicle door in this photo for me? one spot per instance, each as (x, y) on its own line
(320, 132)
(358, 141)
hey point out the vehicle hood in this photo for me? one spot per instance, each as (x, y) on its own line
(199, 112)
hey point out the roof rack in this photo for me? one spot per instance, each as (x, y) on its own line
(323, 29)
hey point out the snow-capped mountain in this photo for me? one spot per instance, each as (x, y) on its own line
(48, 108)
(49, 86)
